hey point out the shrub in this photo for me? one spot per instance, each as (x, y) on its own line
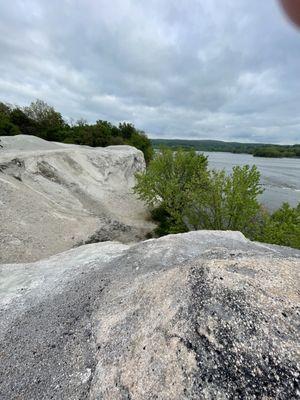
(186, 196)
(282, 227)
(167, 182)
(228, 202)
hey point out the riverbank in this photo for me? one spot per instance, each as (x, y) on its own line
(256, 149)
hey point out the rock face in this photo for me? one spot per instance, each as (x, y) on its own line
(202, 315)
(55, 196)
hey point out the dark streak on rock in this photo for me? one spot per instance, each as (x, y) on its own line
(59, 351)
(242, 374)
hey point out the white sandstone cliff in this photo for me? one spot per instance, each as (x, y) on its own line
(55, 196)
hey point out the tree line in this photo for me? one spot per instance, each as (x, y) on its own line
(257, 149)
(40, 119)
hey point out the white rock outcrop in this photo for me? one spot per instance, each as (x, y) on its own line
(55, 196)
(202, 315)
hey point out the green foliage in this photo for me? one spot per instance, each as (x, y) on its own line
(191, 197)
(184, 195)
(228, 202)
(25, 125)
(44, 121)
(5, 109)
(126, 130)
(167, 181)
(277, 151)
(44, 115)
(282, 227)
(164, 220)
(6, 125)
(139, 140)
(257, 149)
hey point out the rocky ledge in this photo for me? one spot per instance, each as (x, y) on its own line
(55, 196)
(202, 315)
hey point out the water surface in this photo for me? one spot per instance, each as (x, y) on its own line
(280, 177)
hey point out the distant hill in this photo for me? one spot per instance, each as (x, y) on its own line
(257, 149)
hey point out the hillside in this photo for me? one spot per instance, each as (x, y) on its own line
(257, 149)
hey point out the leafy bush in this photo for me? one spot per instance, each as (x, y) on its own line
(191, 197)
(282, 227)
(7, 127)
(228, 202)
(184, 195)
(166, 184)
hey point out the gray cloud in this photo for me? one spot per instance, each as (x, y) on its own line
(189, 69)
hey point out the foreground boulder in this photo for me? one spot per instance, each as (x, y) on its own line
(202, 315)
(55, 196)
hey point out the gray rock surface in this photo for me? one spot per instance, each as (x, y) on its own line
(203, 315)
(56, 196)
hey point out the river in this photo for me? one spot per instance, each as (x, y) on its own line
(280, 177)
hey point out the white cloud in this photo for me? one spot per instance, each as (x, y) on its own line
(199, 69)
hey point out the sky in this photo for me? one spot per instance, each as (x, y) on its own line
(191, 69)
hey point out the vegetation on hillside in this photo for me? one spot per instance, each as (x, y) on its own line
(182, 192)
(277, 151)
(185, 195)
(40, 119)
(282, 227)
(257, 149)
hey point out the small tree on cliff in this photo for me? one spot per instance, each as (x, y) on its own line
(167, 182)
(184, 195)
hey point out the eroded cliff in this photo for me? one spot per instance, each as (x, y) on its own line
(56, 196)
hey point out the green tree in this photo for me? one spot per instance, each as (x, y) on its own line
(166, 184)
(103, 133)
(26, 125)
(228, 203)
(44, 121)
(282, 227)
(186, 196)
(143, 143)
(5, 109)
(7, 127)
(49, 122)
(126, 130)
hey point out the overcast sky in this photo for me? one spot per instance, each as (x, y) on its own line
(207, 69)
